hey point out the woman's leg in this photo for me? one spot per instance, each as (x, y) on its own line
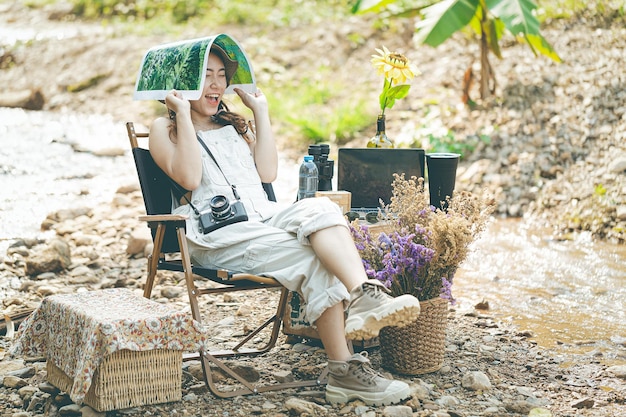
(330, 327)
(335, 249)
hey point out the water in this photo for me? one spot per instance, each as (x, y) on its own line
(307, 178)
(569, 294)
(40, 172)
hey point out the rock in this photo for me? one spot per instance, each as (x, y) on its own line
(195, 369)
(54, 257)
(420, 391)
(70, 410)
(397, 411)
(583, 403)
(618, 166)
(48, 388)
(171, 292)
(137, 241)
(617, 371)
(7, 366)
(476, 381)
(69, 214)
(299, 407)
(109, 152)
(191, 397)
(15, 382)
(283, 376)
(27, 392)
(267, 405)
(518, 406)
(23, 372)
(249, 373)
(244, 310)
(26, 99)
(38, 402)
(448, 401)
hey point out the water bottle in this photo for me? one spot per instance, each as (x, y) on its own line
(308, 178)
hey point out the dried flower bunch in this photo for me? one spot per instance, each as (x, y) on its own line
(423, 246)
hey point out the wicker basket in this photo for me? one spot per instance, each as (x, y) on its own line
(129, 379)
(418, 348)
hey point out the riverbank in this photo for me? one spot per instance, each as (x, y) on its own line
(512, 375)
(557, 149)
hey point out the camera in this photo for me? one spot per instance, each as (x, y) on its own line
(325, 166)
(221, 213)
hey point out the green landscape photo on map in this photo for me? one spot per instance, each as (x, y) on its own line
(177, 67)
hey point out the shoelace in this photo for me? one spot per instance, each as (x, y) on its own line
(364, 371)
(377, 291)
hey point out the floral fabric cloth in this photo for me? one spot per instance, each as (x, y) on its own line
(77, 331)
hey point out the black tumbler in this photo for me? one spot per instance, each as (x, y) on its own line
(441, 177)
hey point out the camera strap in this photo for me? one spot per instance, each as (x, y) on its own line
(206, 148)
(181, 191)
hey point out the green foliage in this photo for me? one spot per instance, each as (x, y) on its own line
(318, 113)
(434, 136)
(449, 143)
(213, 12)
(490, 19)
(600, 190)
(567, 9)
(389, 95)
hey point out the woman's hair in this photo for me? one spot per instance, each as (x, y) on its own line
(225, 117)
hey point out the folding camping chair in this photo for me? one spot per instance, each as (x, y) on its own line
(168, 232)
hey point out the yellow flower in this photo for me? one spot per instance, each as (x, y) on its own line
(394, 66)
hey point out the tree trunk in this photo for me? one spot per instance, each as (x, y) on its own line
(485, 68)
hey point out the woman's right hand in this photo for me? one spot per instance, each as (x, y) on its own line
(174, 101)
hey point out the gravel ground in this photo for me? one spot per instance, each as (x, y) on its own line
(557, 154)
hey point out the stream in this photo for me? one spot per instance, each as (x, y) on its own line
(568, 294)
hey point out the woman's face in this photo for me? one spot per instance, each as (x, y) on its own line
(214, 86)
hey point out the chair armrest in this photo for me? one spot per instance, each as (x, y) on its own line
(163, 218)
(254, 278)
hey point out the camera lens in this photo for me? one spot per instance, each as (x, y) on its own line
(220, 207)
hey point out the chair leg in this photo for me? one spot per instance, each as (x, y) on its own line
(153, 262)
(276, 321)
(191, 285)
(213, 357)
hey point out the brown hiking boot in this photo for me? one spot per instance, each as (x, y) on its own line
(372, 308)
(355, 379)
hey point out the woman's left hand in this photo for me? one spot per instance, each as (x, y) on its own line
(254, 101)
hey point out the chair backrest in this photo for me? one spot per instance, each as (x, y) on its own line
(158, 189)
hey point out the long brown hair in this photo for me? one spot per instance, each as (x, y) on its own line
(223, 117)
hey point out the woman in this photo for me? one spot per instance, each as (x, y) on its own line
(306, 246)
